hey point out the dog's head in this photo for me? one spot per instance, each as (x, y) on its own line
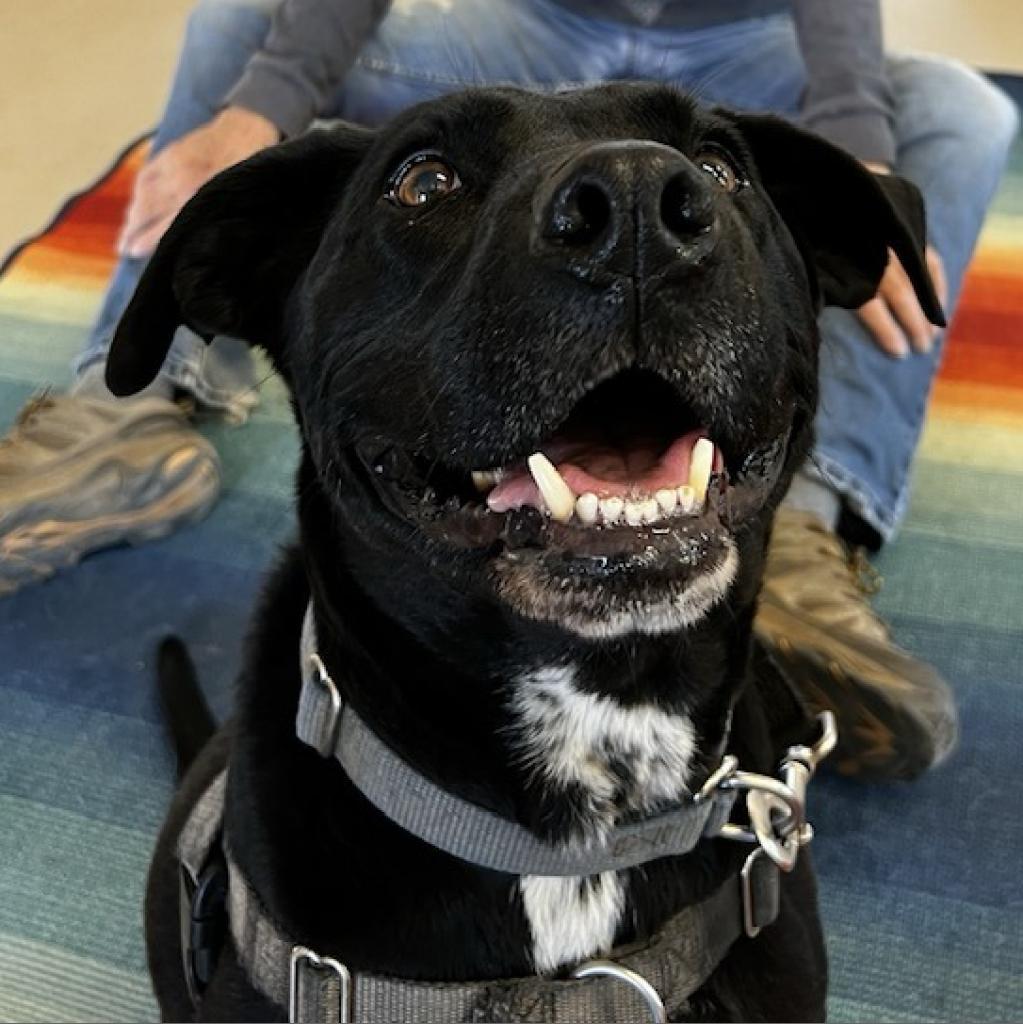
(556, 352)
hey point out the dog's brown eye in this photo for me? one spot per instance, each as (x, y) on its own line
(423, 179)
(720, 169)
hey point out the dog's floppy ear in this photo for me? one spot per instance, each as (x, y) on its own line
(843, 217)
(228, 262)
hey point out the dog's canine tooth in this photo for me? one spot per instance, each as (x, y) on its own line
(486, 479)
(651, 510)
(700, 466)
(687, 500)
(587, 508)
(611, 510)
(667, 499)
(557, 495)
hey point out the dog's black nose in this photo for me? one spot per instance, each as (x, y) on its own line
(627, 207)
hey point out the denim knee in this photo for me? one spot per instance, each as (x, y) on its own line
(211, 21)
(970, 108)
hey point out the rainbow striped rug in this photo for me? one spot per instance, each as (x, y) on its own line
(922, 885)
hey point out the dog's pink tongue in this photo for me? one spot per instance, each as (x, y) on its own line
(601, 469)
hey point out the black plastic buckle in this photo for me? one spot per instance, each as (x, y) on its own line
(203, 922)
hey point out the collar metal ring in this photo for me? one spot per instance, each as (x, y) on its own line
(609, 969)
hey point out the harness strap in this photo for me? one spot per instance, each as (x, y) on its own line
(464, 829)
(636, 986)
(676, 961)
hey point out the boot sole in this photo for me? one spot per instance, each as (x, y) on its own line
(879, 738)
(172, 491)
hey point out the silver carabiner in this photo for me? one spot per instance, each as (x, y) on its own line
(783, 849)
(813, 755)
(777, 809)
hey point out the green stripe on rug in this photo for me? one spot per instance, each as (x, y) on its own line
(44, 982)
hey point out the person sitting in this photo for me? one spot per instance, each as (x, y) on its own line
(252, 72)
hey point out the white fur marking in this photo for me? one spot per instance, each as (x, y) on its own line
(667, 616)
(571, 918)
(572, 737)
(624, 759)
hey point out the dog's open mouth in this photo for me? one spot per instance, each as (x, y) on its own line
(632, 470)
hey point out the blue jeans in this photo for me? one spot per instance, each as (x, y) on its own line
(953, 128)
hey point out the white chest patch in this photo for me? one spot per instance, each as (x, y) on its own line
(620, 760)
(624, 759)
(571, 919)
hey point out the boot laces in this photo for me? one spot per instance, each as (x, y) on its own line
(37, 405)
(814, 570)
(866, 578)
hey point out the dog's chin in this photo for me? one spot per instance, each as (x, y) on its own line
(624, 520)
(668, 586)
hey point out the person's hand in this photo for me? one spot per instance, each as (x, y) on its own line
(894, 317)
(177, 172)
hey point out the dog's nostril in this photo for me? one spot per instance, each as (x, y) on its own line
(582, 216)
(685, 209)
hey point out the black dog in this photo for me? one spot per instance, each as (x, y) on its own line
(609, 277)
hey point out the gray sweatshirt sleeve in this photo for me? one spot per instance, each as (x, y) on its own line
(308, 51)
(848, 98)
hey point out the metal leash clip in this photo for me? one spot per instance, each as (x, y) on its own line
(776, 807)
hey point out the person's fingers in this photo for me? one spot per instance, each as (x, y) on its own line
(894, 317)
(175, 174)
(151, 208)
(148, 202)
(882, 326)
(898, 294)
(937, 271)
(148, 237)
(161, 189)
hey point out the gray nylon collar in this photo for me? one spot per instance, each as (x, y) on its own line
(464, 829)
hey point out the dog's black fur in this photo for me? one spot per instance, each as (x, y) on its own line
(422, 342)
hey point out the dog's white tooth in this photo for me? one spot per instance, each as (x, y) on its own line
(611, 510)
(667, 498)
(634, 513)
(587, 508)
(486, 479)
(700, 466)
(557, 495)
(686, 500)
(651, 510)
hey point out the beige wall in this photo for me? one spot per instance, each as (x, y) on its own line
(988, 33)
(79, 78)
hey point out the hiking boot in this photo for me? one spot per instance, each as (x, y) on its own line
(896, 715)
(78, 474)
